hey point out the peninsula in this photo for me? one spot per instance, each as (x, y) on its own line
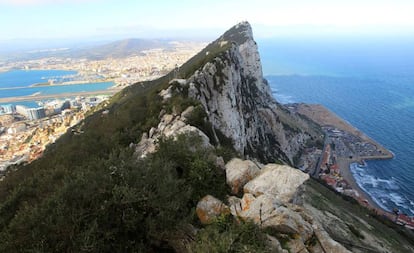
(344, 144)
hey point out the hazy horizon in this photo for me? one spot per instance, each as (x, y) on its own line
(82, 19)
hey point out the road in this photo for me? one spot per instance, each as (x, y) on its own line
(61, 95)
(315, 173)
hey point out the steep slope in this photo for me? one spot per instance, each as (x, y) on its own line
(239, 103)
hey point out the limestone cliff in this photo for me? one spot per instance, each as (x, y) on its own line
(239, 103)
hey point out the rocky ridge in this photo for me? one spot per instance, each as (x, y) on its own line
(268, 202)
(237, 101)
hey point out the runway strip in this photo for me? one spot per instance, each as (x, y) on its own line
(61, 95)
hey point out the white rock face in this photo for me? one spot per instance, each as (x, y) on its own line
(169, 126)
(239, 102)
(276, 180)
(239, 172)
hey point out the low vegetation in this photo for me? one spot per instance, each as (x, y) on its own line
(89, 193)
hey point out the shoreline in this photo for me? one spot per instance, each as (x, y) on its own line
(324, 117)
(345, 169)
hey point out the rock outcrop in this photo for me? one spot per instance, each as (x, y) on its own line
(277, 180)
(239, 102)
(209, 208)
(267, 202)
(170, 126)
(239, 172)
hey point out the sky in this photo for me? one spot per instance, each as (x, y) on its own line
(60, 19)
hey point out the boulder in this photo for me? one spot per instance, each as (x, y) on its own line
(145, 146)
(166, 94)
(209, 208)
(281, 181)
(287, 221)
(252, 208)
(326, 242)
(297, 246)
(187, 112)
(239, 172)
(267, 211)
(275, 245)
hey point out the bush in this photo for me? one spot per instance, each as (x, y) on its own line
(228, 236)
(116, 204)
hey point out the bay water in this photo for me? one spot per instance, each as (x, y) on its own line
(19, 83)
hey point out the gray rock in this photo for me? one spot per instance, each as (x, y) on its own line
(220, 163)
(187, 112)
(275, 245)
(209, 208)
(297, 246)
(239, 103)
(267, 211)
(276, 180)
(239, 172)
(327, 243)
(145, 146)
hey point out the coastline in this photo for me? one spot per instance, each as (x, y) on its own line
(345, 169)
(325, 118)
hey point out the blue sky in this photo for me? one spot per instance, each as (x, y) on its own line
(184, 18)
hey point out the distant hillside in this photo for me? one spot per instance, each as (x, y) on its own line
(115, 49)
(121, 48)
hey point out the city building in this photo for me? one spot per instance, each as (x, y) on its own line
(22, 110)
(65, 105)
(36, 113)
(9, 108)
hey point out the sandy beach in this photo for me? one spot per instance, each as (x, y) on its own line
(346, 173)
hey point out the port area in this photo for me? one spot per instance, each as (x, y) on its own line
(343, 145)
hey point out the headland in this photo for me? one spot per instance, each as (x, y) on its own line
(344, 144)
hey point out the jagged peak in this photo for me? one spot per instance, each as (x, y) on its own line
(239, 33)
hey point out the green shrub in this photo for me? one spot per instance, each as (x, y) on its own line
(228, 236)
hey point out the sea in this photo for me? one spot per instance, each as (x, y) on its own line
(20, 83)
(369, 82)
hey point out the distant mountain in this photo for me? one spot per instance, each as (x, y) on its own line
(121, 48)
(116, 49)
